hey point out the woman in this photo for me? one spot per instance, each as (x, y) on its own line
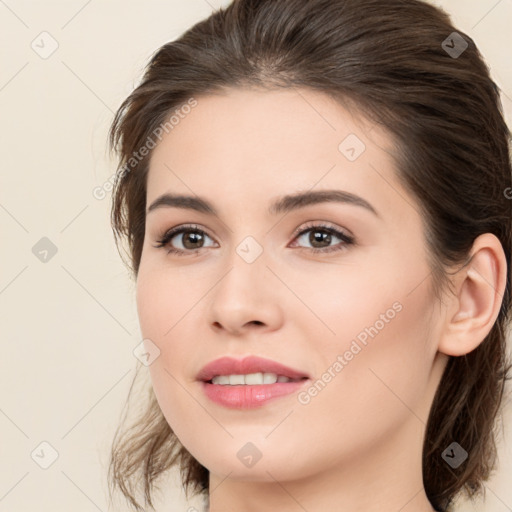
(316, 200)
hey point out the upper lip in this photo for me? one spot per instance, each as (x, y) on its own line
(249, 364)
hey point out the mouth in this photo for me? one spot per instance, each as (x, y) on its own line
(251, 379)
(249, 371)
(249, 383)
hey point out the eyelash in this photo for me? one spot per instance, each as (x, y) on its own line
(169, 235)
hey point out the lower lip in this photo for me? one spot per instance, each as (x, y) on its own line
(249, 396)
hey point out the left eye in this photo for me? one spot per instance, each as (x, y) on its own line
(323, 235)
(318, 234)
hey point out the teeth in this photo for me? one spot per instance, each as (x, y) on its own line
(250, 379)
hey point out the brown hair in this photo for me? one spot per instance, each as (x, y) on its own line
(395, 61)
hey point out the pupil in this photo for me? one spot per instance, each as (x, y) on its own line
(322, 236)
(194, 236)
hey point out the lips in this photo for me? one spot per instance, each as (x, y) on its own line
(250, 364)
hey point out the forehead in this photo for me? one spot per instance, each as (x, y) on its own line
(251, 144)
(255, 121)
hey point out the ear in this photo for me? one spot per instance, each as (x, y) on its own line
(479, 287)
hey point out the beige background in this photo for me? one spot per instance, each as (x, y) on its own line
(69, 325)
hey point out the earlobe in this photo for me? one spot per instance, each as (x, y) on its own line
(479, 286)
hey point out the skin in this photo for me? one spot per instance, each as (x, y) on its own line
(357, 444)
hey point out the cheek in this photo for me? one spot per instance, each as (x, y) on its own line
(163, 297)
(381, 357)
(376, 311)
(165, 316)
(165, 312)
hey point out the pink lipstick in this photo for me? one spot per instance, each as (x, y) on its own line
(249, 382)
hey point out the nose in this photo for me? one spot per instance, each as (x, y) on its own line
(247, 297)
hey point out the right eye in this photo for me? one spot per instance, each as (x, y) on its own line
(191, 236)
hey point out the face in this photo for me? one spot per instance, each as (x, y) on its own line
(339, 290)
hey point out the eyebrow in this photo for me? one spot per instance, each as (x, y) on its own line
(283, 204)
